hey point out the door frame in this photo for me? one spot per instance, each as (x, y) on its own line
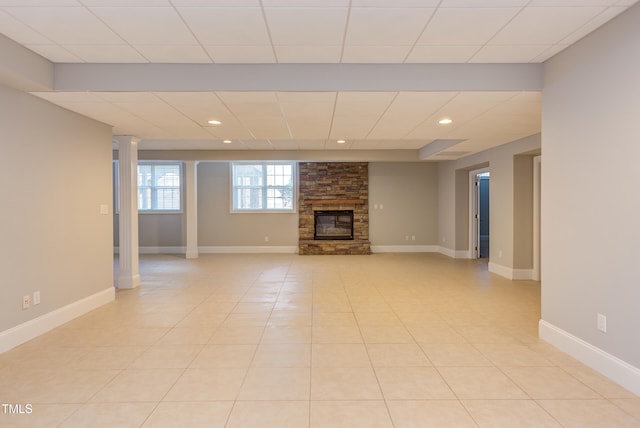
(474, 205)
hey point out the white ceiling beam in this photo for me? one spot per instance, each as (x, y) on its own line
(298, 77)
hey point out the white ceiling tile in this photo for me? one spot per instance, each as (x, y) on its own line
(465, 26)
(590, 26)
(29, 3)
(483, 3)
(130, 3)
(408, 110)
(308, 54)
(54, 53)
(558, 23)
(571, 3)
(375, 54)
(199, 106)
(402, 26)
(357, 113)
(216, 3)
(307, 114)
(241, 54)
(508, 54)
(305, 3)
(306, 26)
(551, 51)
(174, 54)
(227, 26)
(109, 53)
(128, 97)
(146, 25)
(67, 25)
(441, 54)
(395, 3)
(19, 32)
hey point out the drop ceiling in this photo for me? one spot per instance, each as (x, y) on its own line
(208, 33)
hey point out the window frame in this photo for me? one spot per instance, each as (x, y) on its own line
(181, 173)
(264, 187)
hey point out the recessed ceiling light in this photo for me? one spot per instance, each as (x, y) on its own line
(214, 122)
(341, 141)
(227, 141)
(445, 121)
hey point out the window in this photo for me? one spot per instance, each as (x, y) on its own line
(263, 186)
(159, 186)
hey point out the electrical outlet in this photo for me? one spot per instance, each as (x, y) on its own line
(266, 239)
(36, 298)
(413, 237)
(602, 323)
(26, 302)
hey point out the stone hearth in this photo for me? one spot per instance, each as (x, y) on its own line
(332, 186)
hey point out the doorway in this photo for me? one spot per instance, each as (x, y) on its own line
(480, 214)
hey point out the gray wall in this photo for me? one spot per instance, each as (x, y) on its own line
(56, 172)
(408, 193)
(507, 180)
(218, 227)
(590, 198)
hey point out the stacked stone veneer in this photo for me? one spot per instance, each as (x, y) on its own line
(334, 186)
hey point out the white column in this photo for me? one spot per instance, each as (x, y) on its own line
(191, 189)
(129, 276)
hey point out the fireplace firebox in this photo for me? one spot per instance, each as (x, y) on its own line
(333, 224)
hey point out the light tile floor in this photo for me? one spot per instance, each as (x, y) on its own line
(387, 340)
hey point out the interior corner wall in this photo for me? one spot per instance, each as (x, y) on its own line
(56, 173)
(590, 203)
(403, 202)
(453, 191)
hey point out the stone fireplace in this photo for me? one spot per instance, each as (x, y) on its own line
(338, 192)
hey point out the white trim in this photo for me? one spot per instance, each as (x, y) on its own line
(156, 250)
(33, 328)
(405, 248)
(501, 270)
(454, 254)
(610, 366)
(257, 249)
(509, 273)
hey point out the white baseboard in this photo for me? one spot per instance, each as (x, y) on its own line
(610, 366)
(510, 273)
(454, 254)
(33, 328)
(258, 249)
(404, 248)
(156, 250)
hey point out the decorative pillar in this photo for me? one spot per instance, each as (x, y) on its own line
(129, 276)
(191, 190)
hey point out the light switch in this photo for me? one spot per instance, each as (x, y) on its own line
(104, 209)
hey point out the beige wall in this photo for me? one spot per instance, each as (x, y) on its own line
(408, 193)
(56, 172)
(218, 227)
(590, 197)
(507, 181)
